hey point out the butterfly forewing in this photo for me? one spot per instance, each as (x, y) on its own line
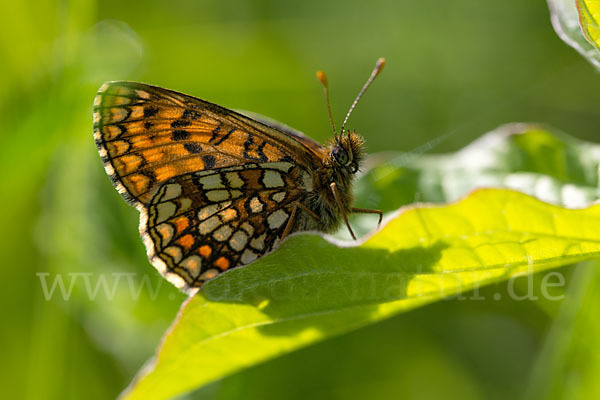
(148, 135)
(215, 189)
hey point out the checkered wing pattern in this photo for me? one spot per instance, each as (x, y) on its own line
(201, 224)
(215, 189)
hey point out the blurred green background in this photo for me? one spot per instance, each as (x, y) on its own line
(458, 68)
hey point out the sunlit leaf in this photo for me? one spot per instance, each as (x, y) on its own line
(530, 158)
(576, 22)
(589, 14)
(311, 289)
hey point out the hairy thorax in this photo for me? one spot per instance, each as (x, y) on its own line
(320, 198)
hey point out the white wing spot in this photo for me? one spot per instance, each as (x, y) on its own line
(175, 279)
(111, 172)
(174, 252)
(171, 191)
(238, 240)
(211, 182)
(166, 232)
(217, 195)
(272, 179)
(278, 197)
(209, 225)
(192, 264)
(228, 215)
(248, 256)
(234, 180)
(255, 205)
(211, 273)
(248, 228)
(209, 210)
(185, 204)
(259, 242)
(165, 211)
(277, 219)
(223, 233)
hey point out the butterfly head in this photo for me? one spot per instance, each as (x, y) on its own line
(347, 152)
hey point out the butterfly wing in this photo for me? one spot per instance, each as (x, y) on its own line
(147, 135)
(294, 133)
(203, 223)
(215, 188)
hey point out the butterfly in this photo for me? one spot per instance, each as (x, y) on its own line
(217, 189)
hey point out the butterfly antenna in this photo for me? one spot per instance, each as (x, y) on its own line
(378, 67)
(323, 79)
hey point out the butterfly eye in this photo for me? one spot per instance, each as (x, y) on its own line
(340, 155)
(354, 168)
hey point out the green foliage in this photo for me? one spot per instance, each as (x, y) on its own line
(526, 157)
(454, 70)
(311, 289)
(570, 361)
(576, 22)
(589, 13)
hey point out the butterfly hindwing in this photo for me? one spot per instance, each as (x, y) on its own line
(201, 224)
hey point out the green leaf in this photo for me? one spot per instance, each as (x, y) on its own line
(589, 14)
(576, 23)
(312, 288)
(529, 158)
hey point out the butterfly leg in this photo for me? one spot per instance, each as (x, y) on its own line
(341, 206)
(290, 223)
(369, 211)
(309, 211)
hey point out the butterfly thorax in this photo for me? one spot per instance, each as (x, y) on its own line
(340, 161)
